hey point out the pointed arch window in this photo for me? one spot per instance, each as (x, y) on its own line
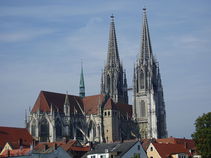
(142, 79)
(143, 109)
(44, 130)
(108, 84)
(58, 129)
(33, 128)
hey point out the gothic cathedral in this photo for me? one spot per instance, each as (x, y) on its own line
(149, 105)
(106, 117)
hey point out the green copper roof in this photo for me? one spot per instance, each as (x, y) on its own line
(82, 78)
(82, 85)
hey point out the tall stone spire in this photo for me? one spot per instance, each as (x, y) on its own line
(149, 105)
(113, 54)
(82, 85)
(112, 79)
(146, 49)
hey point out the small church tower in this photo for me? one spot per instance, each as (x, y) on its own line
(82, 85)
(113, 80)
(149, 105)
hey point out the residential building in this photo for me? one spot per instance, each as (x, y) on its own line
(160, 150)
(127, 149)
(14, 138)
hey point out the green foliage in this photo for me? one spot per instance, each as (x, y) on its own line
(136, 155)
(202, 135)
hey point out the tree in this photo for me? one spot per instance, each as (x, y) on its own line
(202, 135)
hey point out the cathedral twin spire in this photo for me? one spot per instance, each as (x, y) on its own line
(113, 80)
(149, 105)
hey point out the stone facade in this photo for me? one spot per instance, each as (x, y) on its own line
(96, 118)
(149, 105)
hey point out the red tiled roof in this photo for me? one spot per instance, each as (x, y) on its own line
(41, 146)
(16, 152)
(188, 143)
(13, 136)
(46, 99)
(71, 145)
(91, 103)
(166, 150)
(110, 105)
(125, 109)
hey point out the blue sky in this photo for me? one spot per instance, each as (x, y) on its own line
(42, 44)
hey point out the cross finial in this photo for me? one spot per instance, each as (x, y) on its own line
(112, 16)
(144, 9)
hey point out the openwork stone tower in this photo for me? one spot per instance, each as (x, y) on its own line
(149, 105)
(113, 80)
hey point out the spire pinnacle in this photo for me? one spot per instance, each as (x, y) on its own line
(146, 50)
(113, 54)
(67, 102)
(82, 85)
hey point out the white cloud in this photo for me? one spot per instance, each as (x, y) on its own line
(23, 35)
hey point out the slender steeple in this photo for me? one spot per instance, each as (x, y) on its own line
(146, 49)
(82, 85)
(113, 80)
(113, 54)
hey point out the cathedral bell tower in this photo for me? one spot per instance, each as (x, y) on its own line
(113, 79)
(149, 105)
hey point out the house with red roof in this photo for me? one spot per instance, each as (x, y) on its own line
(161, 150)
(73, 147)
(14, 138)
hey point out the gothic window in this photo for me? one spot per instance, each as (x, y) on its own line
(33, 128)
(58, 128)
(109, 113)
(142, 79)
(143, 109)
(44, 130)
(108, 84)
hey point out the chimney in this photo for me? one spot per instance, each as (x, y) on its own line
(45, 147)
(55, 146)
(20, 143)
(185, 145)
(8, 153)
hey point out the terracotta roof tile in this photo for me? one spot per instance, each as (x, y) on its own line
(188, 143)
(166, 150)
(13, 136)
(46, 99)
(91, 103)
(16, 152)
(110, 105)
(71, 145)
(125, 109)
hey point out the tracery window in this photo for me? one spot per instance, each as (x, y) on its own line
(58, 128)
(143, 109)
(142, 79)
(33, 128)
(44, 130)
